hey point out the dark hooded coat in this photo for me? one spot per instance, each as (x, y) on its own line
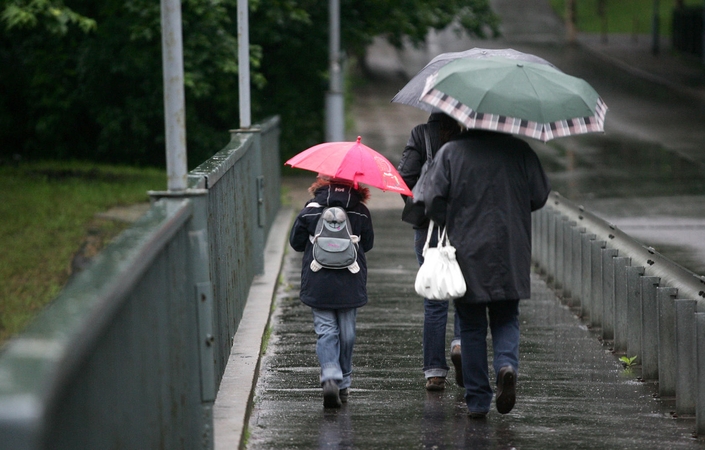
(414, 155)
(484, 185)
(333, 288)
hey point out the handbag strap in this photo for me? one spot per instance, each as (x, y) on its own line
(441, 233)
(431, 226)
(443, 239)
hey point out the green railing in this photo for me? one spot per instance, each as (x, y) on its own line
(131, 353)
(638, 301)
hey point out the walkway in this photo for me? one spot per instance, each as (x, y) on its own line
(572, 391)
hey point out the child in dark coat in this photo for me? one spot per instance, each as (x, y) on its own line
(334, 294)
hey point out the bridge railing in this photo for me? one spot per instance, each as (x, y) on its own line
(643, 303)
(131, 352)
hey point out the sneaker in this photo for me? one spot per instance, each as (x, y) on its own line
(331, 395)
(435, 383)
(506, 389)
(477, 415)
(343, 394)
(458, 364)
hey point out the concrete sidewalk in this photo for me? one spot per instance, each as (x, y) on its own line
(572, 392)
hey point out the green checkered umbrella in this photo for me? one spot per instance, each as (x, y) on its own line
(500, 94)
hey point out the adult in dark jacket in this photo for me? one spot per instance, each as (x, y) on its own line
(483, 187)
(441, 128)
(334, 294)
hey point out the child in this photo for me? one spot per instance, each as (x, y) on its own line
(334, 294)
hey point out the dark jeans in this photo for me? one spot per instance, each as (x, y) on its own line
(504, 326)
(434, 322)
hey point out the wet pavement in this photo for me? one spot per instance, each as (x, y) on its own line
(572, 392)
(645, 174)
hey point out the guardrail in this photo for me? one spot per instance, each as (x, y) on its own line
(645, 304)
(131, 352)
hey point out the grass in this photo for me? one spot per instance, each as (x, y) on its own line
(622, 16)
(48, 211)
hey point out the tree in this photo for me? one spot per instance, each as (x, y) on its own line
(52, 15)
(295, 49)
(86, 80)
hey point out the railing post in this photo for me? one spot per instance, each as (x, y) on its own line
(576, 275)
(665, 297)
(700, 375)
(545, 216)
(550, 248)
(608, 256)
(568, 227)
(620, 303)
(687, 356)
(634, 274)
(559, 280)
(649, 328)
(586, 275)
(596, 282)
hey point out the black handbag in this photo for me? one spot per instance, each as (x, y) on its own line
(414, 209)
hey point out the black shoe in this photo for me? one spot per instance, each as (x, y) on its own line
(331, 395)
(458, 364)
(343, 394)
(506, 389)
(477, 415)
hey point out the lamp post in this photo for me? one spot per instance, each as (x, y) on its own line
(335, 122)
(174, 104)
(243, 62)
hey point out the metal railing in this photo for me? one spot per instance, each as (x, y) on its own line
(645, 304)
(131, 352)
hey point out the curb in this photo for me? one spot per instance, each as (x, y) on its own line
(232, 406)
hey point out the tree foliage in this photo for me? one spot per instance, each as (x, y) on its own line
(83, 79)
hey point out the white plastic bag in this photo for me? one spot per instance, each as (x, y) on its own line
(439, 277)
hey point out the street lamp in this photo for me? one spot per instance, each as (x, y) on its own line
(335, 122)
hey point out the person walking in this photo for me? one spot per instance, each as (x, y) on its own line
(482, 187)
(334, 294)
(436, 131)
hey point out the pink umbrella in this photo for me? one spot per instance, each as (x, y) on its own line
(351, 161)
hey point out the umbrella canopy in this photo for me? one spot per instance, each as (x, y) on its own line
(352, 161)
(526, 98)
(411, 92)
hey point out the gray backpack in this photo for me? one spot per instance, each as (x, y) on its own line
(334, 246)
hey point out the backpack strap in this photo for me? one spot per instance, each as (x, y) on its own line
(427, 137)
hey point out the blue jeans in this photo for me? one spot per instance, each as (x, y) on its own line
(336, 337)
(504, 326)
(434, 321)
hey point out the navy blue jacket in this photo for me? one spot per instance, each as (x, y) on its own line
(333, 288)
